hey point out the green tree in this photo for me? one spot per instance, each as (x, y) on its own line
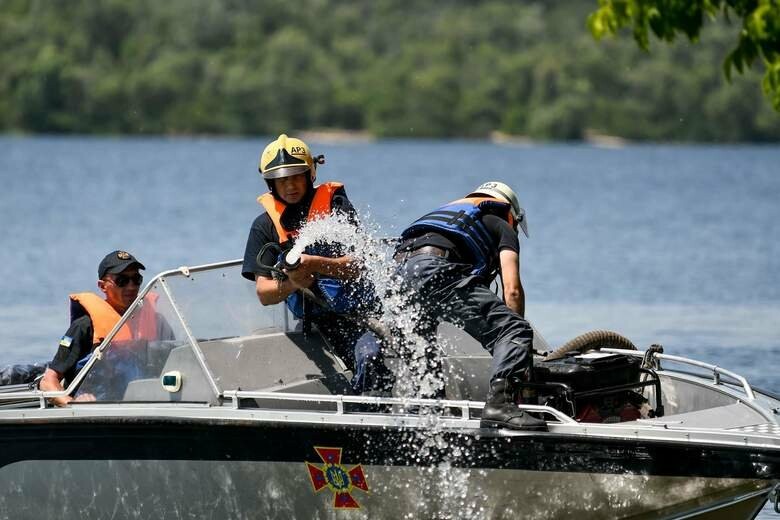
(452, 68)
(758, 38)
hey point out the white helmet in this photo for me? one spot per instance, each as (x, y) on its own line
(500, 190)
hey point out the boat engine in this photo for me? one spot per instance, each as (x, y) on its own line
(594, 387)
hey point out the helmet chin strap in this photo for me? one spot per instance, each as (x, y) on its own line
(310, 186)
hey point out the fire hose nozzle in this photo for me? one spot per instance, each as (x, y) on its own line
(291, 261)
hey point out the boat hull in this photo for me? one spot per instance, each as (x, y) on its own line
(244, 489)
(162, 468)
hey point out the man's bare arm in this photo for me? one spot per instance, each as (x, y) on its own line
(514, 295)
(51, 382)
(271, 291)
(343, 267)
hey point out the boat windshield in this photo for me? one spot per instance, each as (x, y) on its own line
(159, 349)
(195, 333)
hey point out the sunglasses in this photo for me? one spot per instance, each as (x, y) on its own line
(121, 280)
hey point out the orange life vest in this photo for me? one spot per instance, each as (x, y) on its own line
(321, 205)
(143, 325)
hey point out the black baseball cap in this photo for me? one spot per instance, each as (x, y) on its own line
(116, 262)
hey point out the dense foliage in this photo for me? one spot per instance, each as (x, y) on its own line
(393, 68)
(759, 39)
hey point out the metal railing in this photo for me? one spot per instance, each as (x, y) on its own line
(716, 370)
(462, 406)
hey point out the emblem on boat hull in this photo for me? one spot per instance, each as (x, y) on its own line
(341, 481)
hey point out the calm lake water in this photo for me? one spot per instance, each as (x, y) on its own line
(678, 245)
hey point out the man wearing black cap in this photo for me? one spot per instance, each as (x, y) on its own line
(93, 317)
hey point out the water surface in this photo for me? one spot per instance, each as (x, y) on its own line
(677, 245)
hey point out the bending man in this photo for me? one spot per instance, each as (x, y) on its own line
(448, 259)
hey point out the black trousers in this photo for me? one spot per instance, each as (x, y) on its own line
(341, 335)
(360, 351)
(444, 291)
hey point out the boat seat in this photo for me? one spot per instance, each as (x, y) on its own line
(267, 361)
(466, 365)
(194, 388)
(277, 362)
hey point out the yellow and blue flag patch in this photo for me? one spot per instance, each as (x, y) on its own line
(66, 341)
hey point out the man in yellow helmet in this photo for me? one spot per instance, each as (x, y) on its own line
(289, 169)
(447, 260)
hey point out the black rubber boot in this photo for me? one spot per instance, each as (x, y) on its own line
(501, 412)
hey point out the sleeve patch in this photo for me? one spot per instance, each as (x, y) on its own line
(66, 341)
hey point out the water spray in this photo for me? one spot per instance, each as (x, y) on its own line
(396, 328)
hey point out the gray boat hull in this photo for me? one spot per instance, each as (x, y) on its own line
(87, 489)
(146, 467)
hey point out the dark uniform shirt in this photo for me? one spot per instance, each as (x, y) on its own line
(79, 335)
(294, 216)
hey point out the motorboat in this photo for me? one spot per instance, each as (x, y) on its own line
(244, 413)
